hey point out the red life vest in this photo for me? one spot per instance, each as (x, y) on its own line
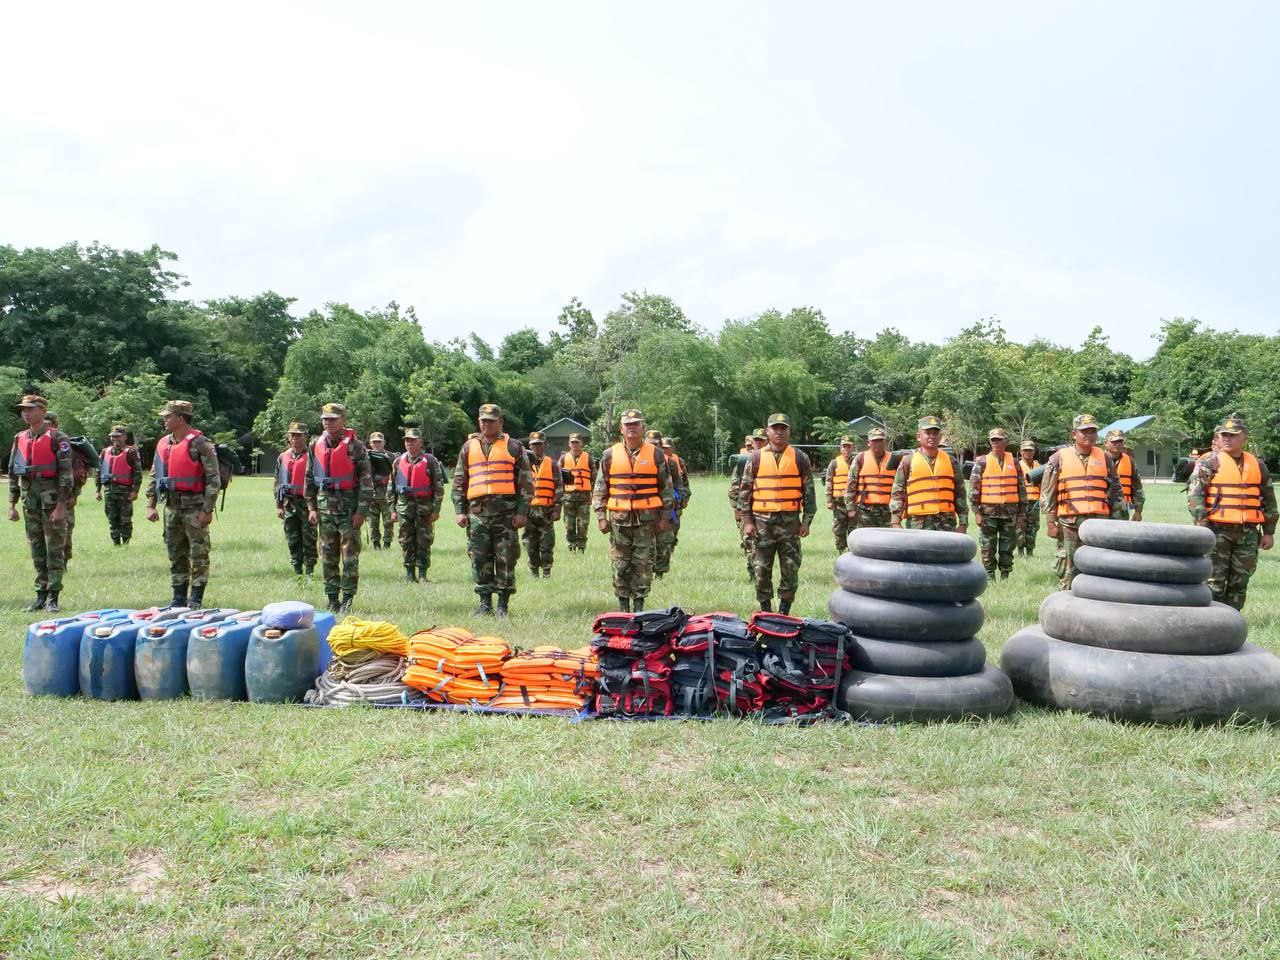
(414, 479)
(334, 468)
(180, 467)
(293, 474)
(36, 456)
(116, 468)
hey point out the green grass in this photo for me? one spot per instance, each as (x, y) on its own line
(230, 830)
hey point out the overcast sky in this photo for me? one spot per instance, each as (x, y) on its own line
(918, 165)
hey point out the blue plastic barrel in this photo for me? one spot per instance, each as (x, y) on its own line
(51, 653)
(160, 654)
(324, 621)
(215, 657)
(280, 665)
(107, 652)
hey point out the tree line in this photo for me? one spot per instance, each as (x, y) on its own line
(106, 335)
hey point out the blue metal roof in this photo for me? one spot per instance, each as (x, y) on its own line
(1127, 424)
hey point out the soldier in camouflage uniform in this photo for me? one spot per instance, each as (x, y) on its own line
(1091, 489)
(120, 472)
(1135, 497)
(870, 482)
(778, 500)
(633, 498)
(755, 441)
(999, 496)
(928, 487)
(577, 495)
(1031, 528)
(417, 479)
(339, 503)
(663, 542)
(79, 477)
(381, 507)
(492, 487)
(836, 482)
(40, 475)
(544, 507)
(1231, 494)
(294, 488)
(184, 472)
(669, 539)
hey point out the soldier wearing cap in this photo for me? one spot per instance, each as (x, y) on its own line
(837, 486)
(381, 510)
(294, 490)
(669, 538)
(417, 479)
(79, 477)
(40, 475)
(928, 487)
(998, 491)
(492, 487)
(544, 508)
(341, 499)
(184, 473)
(579, 471)
(120, 472)
(756, 440)
(1078, 482)
(633, 498)
(778, 501)
(1231, 494)
(1127, 473)
(871, 483)
(1031, 529)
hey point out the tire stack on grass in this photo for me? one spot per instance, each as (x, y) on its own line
(1137, 637)
(910, 598)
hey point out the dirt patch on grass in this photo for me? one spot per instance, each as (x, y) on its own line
(1239, 816)
(50, 888)
(143, 876)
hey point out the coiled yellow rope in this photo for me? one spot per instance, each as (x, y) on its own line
(354, 634)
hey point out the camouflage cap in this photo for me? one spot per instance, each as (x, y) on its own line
(997, 433)
(778, 420)
(1115, 435)
(928, 423)
(632, 415)
(668, 442)
(877, 433)
(377, 436)
(1028, 445)
(51, 417)
(411, 433)
(297, 427)
(653, 436)
(759, 434)
(1084, 421)
(846, 439)
(489, 411)
(575, 437)
(537, 436)
(1232, 424)
(747, 438)
(33, 400)
(182, 407)
(118, 431)
(333, 410)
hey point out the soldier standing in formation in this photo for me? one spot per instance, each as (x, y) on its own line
(632, 498)
(185, 474)
(928, 487)
(778, 501)
(1078, 482)
(681, 490)
(1130, 480)
(870, 483)
(837, 486)
(492, 488)
(342, 498)
(417, 479)
(381, 507)
(79, 477)
(294, 488)
(1030, 529)
(40, 475)
(1231, 494)
(999, 496)
(577, 463)
(120, 472)
(755, 441)
(544, 509)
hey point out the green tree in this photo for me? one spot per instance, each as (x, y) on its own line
(523, 351)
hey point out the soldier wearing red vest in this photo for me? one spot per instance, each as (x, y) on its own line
(1127, 474)
(40, 475)
(839, 472)
(633, 498)
(998, 491)
(1030, 529)
(1078, 482)
(544, 509)
(928, 488)
(294, 489)
(778, 503)
(1231, 494)
(184, 473)
(342, 499)
(120, 474)
(580, 470)
(417, 483)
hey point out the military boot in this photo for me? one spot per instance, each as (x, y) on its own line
(410, 573)
(196, 598)
(637, 604)
(485, 608)
(42, 597)
(766, 606)
(546, 573)
(347, 600)
(52, 603)
(502, 611)
(179, 597)
(334, 605)
(624, 604)
(784, 607)
(422, 575)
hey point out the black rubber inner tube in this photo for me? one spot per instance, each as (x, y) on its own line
(874, 696)
(918, 658)
(1215, 629)
(1178, 539)
(1139, 591)
(915, 546)
(904, 580)
(905, 619)
(1159, 567)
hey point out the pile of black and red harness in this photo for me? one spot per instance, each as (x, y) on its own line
(664, 662)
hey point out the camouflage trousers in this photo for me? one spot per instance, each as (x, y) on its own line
(299, 535)
(417, 532)
(539, 536)
(997, 537)
(664, 545)
(71, 529)
(1235, 557)
(840, 527)
(632, 550)
(494, 546)
(777, 535)
(1065, 558)
(339, 543)
(381, 526)
(935, 521)
(873, 516)
(119, 510)
(1027, 537)
(47, 539)
(577, 520)
(188, 546)
(748, 544)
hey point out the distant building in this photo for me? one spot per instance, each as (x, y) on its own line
(557, 434)
(1155, 452)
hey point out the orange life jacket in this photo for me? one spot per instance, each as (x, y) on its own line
(1001, 486)
(334, 467)
(179, 469)
(777, 487)
(544, 484)
(1124, 470)
(1082, 492)
(414, 479)
(35, 457)
(492, 474)
(293, 473)
(840, 479)
(581, 470)
(931, 489)
(1033, 486)
(633, 485)
(874, 486)
(1235, 492)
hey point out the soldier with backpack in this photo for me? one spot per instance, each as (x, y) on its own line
(120, 472)
(294, 486)
(84, 461)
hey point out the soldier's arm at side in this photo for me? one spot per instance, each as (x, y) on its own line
(437, 486)
(66, 468)
(666, 489)
(15, 487)
(600, 489)
(747, 484)
(1270, 514)
(1022, 492)
(1115, 493)
(806, 484)
(212, 478)
(975, 480)
(898, 493)
(364, 478)
(1139, 492)
(524, 478)
(135, 464)
(851, 488)
(459, 492)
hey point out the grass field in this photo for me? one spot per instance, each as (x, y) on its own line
(229, 830)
